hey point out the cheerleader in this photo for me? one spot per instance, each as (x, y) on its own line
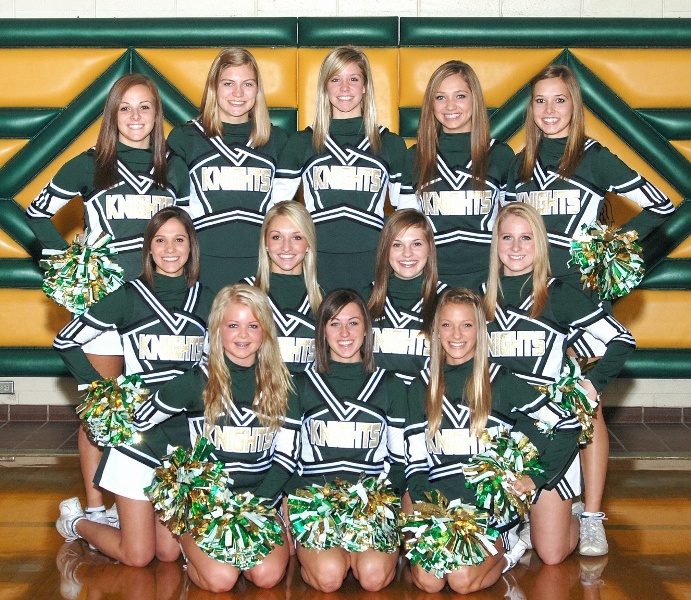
(532, 319)
(346, 163)
(449, 405)
(565, 175)
(459, 172)
(403, 296)
(161, 320)
(231, 151)
(288, 274)
(239, 401)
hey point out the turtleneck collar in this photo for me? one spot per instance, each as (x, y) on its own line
(352, 126)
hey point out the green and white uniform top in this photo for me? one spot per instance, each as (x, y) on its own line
(438, 464)
(163, 330)
(293, 317)
(566, 204)
(230, 183)
(122, 211)
(462, 216)
(399, 345)
(345, 186)
(534, 348)
(241, 442)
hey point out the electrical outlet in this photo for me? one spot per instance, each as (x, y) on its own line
(6, 387)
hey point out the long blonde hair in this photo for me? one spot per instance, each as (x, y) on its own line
(272, 379)
(477, 393)
(575, 144)
(209, 114)
(334, 63)
(541, 267)
(299, 216)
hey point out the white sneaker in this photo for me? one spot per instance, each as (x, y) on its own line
(524, 535)
(593, 539)
(514, 555)
(577, 509)
(113, 517)
(70, 512)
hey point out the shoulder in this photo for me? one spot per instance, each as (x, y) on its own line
(501, 151)
(393, 141)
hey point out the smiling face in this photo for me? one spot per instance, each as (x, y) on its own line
(552, 107)
(345, 334)
(453, 105)
(170, 248)
(516, 245)
(286, 246)
(457, 332)
(241, 334)
(236, 93)
(409, 252)
(136, 117)
(346, 91)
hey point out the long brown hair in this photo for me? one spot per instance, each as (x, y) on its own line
(575, 144)
(429, 127)
(106, 151)
(477, 393)
(272, 379)
(209, 113)
(398, 222)
(541, 267)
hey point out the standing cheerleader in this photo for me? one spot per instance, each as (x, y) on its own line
(161, 320)
(231, 151)
(346, 163)
(403, 296)
(450, 404)
(460, 173)
(565, 175)
(288, 274)
(532, 319)
(239, 401)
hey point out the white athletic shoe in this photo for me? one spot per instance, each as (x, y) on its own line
(577, 509)
(593, 539)
(514, 555)
(524, 535)
(70, 512)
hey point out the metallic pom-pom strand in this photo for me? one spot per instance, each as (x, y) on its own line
(315, 518)
(610, 262)
(507, 457)
(448, 535)
(187, 485)
(80, 276)
(108, 410)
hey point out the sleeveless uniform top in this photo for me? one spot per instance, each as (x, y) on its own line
(534, 349)
(345, 185)
(122, 210)
(438, 464)
(567, 204)
(293, 317)
(461, 216)
(230, 184)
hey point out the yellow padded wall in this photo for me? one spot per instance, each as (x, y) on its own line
(37, 318)
(384, 64)
(657, 319)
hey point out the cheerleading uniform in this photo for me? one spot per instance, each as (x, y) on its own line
(462, 216)
(567, 204)
(241, 442)
(293, 317)
(438, 464)
(344, 188)
(230, 185)
(399, 345)
(122, 211)
(163, 334)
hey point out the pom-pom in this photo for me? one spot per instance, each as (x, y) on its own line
(507, 458)
(186, 485)
(315, 518)
(610, 262)
(569, 394)
(448, 535)
(80, 276)
(239, 529)
(109, 407)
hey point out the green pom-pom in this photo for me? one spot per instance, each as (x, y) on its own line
(80, 276)
(108, 410)
(315, 518)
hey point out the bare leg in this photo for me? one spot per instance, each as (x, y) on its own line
(324, 570)
(374, 570)
(594, 457)
(554, 531)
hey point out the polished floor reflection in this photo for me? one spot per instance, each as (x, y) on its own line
(649, 532)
